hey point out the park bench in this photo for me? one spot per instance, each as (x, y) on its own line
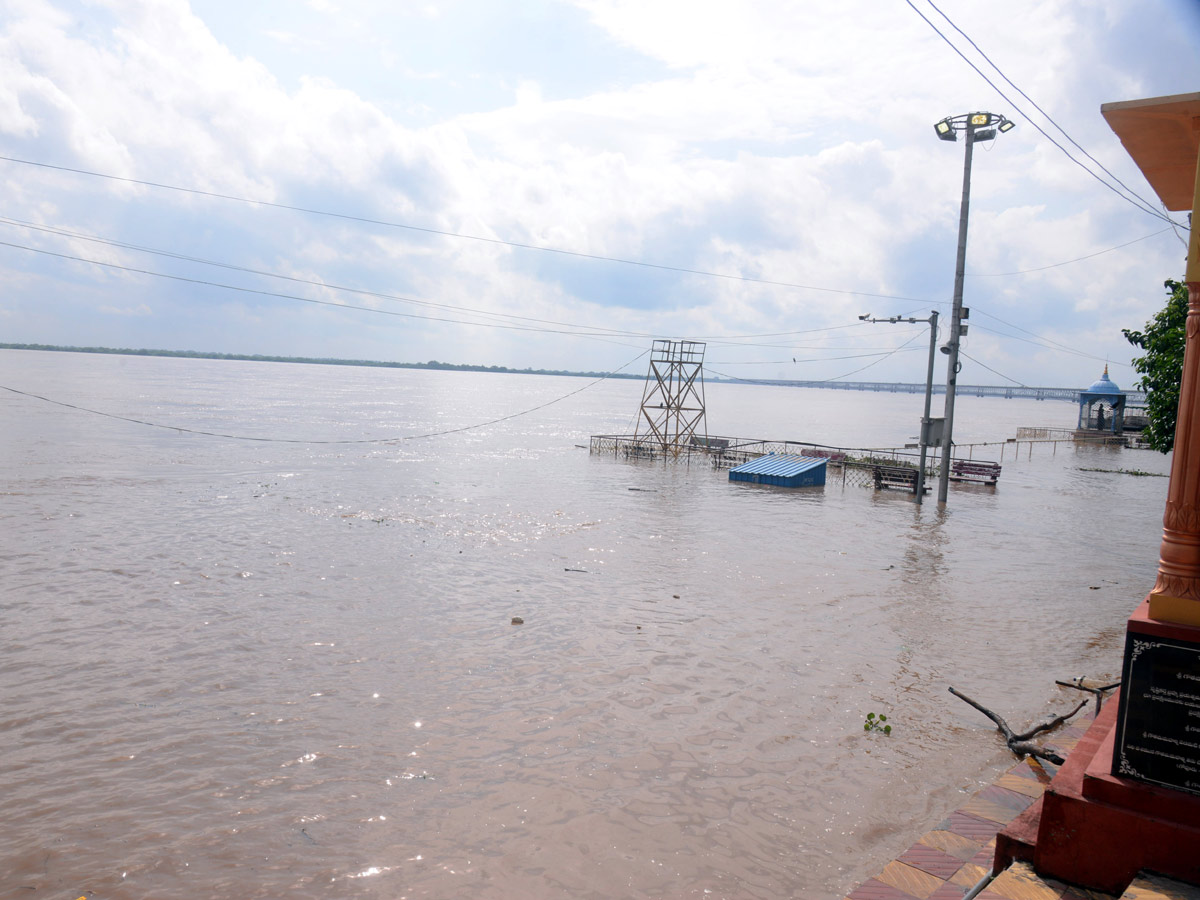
(833, 456)
(729, 459)
(896, 478)
(979, 472)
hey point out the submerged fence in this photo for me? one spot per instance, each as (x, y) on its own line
(854, 466)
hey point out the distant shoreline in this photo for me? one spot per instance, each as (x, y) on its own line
(314, 361)
(1043, 393)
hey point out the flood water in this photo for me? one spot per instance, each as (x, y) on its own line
(237, 669)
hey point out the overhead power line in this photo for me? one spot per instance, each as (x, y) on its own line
(75, 235)
(1129, 196)
(524, 323)
(1066, 262)
(994, 372)
(1047, 115)
(1036, 340)
(794, 360)
(455, 234)
(596, 330)
(882, 357)
(280, 295)
(1040, 341)
(532, 324)
(274, 440)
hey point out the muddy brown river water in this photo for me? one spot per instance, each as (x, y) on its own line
(238, 669)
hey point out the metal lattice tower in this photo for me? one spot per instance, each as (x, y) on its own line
(673, 399)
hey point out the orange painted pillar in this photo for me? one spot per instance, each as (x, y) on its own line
(1128, 797)
(1176, 594)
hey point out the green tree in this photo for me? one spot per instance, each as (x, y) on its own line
(1162, 366)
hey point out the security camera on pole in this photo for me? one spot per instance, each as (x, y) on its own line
(978, 126)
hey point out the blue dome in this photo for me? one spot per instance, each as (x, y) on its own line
(1104, 385)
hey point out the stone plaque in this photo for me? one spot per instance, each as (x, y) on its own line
(1158, 724)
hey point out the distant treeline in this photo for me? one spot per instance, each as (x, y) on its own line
(432, 364)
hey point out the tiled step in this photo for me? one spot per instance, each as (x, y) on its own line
(1155, 887)
(1020, 882)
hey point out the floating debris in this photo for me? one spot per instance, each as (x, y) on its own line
(517, 620)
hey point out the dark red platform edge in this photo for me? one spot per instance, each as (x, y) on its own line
(1096, 830)
(1017, 840)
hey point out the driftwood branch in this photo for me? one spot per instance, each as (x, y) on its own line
(1050, 722)
(1099, 692)
(1020, 744)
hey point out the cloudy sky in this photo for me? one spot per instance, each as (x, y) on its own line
(554, 183)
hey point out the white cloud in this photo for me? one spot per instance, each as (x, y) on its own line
(140, 310)
(790, 142)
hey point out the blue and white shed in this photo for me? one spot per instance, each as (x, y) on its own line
(784, 471)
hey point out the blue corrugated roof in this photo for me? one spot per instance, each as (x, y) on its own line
(782, 471)
(779, 465)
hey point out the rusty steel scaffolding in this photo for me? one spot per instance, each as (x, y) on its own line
(673, 399)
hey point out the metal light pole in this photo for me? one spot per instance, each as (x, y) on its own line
(978, 126)
(932, 320)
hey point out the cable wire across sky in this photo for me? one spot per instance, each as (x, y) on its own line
(1123, 191)
(509, 321)
(459, 235)
(318, 441)
(462, 315)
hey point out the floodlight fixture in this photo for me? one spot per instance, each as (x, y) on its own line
(980, 126)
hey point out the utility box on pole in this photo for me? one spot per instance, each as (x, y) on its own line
(931, 432)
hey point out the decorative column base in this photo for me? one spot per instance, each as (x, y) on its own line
(1157, 738)
(1097, 830)
(1128, 796)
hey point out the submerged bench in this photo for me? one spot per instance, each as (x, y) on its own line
(832, 455)
(969, 470)
(895, 477)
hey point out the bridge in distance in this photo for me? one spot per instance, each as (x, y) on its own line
(1132, 398)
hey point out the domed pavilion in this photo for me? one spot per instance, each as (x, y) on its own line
(1102, 407)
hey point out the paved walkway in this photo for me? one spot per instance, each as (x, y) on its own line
(957, 854)
(952, 858)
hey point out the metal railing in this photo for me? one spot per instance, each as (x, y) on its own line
(857, 467)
